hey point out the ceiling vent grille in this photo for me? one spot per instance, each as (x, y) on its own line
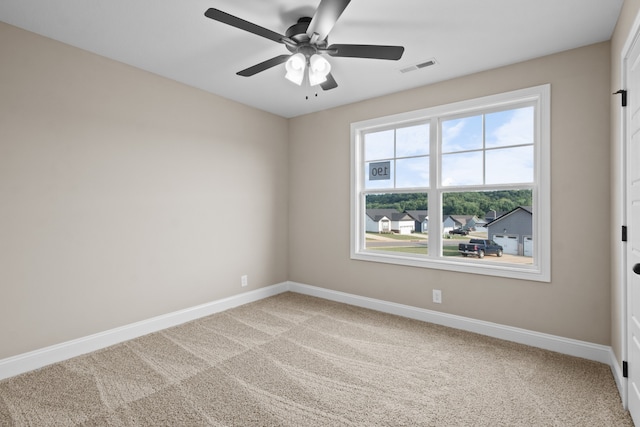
(422, 64)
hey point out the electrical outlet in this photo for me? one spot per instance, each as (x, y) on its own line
(437, 296)
(244, 280)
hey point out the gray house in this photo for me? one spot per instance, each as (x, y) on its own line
(513, 230)
(421, 218)
(449, 223)
(468, 221)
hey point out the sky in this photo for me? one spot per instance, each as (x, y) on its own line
(504, 154)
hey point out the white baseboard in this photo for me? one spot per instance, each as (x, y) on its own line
(36, 359)
(583, 349)
(621, 381)
(25, 362)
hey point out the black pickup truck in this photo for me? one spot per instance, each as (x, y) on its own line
(461, 231)
(480, 248)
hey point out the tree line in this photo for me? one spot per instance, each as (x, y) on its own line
(464, 203)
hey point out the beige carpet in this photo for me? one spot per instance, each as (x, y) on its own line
(293, 360)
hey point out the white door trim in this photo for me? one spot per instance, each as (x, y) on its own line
(623, 124)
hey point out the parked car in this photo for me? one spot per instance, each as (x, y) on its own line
(480, 248)
(461, 231)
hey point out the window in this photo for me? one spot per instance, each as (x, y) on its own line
(472, 173)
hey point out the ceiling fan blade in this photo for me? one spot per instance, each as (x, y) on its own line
(325, 17)
(248, 72)
(218, 15)
(329, 84)
(366, 51)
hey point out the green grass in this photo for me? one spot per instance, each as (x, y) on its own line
(457, 237)
(450, 251)
(403, 237)
(419, 250)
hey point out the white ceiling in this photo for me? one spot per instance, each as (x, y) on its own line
(174, 39)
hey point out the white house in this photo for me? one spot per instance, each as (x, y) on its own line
(389, 220)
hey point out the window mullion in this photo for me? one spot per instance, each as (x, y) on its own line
(395, 155)
(434, 197)
(484, 149)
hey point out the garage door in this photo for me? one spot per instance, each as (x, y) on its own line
(528, 246)
(406, 229)
(509, 243)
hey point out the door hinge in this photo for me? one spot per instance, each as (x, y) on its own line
(625, 369)
(624, 96)
(624, 233)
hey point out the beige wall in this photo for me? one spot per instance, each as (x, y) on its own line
(118, 189)
(630, 10)
(576, 304)
(125, 196)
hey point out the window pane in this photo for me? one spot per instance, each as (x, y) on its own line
(462, 169)
(377, 182)
(412, 141)
(511, 127)
(479, 160)
(462, 134)
(378, 145)
(412, 172)
(510, 165)
(505, 218)
(397, 223)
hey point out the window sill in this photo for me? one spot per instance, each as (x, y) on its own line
(485, 266)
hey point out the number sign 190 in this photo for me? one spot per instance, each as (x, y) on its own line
(379, 171)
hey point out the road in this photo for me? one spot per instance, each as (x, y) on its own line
(409, 243)
(386, 242)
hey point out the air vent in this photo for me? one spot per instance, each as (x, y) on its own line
(422, 64)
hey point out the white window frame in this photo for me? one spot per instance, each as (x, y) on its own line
(540, 97)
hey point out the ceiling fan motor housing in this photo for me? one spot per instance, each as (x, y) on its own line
(298, 33)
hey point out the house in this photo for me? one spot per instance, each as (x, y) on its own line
(451, 222)
(389, 220)
(421, 218)
(513, 230)
(492, 214)
(377, 223)
(481, 225)
(125, 196)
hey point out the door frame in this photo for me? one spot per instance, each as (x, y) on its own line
(622, 165)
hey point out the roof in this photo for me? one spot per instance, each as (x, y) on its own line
(464, 219)
(392, 214)
(418, 215)
(527, 209)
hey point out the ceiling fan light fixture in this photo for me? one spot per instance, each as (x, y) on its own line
(319, 68)
(295, 68)
(304, 40)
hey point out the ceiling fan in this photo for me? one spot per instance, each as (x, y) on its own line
(307, 42)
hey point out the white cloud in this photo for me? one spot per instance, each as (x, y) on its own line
(462, 134)
(452, 132)
(510, 165)
(517, 130)
(462, 169)
(412, 140)
(378, 145)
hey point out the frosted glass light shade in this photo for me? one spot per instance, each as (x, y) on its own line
(319, 68)
(295, 68)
